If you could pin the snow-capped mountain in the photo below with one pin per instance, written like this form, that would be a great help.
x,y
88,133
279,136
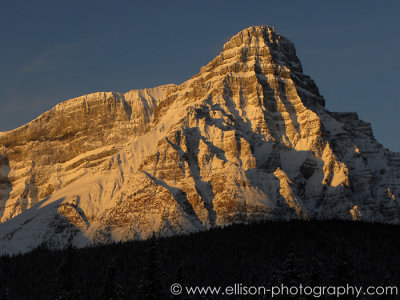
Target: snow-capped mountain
x,y
247,138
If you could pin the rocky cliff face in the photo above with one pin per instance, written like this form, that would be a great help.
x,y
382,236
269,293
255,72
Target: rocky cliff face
x,y
247,138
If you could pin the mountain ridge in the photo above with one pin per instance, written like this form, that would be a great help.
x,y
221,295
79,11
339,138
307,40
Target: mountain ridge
x,y
247,138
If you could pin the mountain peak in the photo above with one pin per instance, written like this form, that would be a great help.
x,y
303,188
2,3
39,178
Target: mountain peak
x,y
265,38
248,35
257,52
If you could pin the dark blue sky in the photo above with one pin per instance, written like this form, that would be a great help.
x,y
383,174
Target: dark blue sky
x,y
51,51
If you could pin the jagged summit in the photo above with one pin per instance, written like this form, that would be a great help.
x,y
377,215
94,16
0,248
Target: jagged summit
x,y
255,43
258,51
260,37
247,138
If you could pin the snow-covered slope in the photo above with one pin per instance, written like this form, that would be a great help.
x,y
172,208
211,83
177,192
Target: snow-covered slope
x,y
245,139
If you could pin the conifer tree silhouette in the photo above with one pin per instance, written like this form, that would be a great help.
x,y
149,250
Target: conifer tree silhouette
x,y
111,289
66,288
150,286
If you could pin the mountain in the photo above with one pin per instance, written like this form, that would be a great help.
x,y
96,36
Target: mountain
x,y
248,138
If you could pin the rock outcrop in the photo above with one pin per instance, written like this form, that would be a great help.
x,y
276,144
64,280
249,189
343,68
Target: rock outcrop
x,y
247,138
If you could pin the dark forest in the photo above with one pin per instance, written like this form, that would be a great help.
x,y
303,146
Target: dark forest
x,y
268,253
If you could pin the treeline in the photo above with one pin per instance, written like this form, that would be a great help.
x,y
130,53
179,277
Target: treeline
x,y
269,253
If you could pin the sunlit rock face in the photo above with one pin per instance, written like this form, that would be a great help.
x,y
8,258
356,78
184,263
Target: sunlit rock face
x,y
248,138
